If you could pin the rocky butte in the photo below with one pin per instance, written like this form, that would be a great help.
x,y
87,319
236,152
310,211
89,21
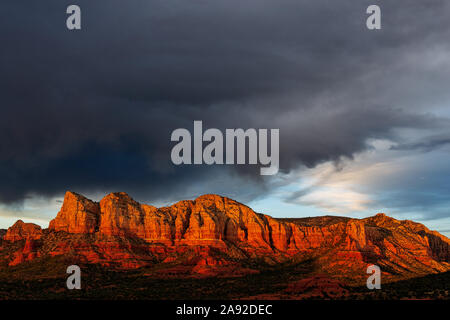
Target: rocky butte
x,y
216,235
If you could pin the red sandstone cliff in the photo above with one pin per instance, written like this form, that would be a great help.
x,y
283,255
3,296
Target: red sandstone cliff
x,y
215,231
21,230
78,215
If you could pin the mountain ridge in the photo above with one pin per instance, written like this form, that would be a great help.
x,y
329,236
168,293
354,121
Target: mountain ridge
x,y
217,235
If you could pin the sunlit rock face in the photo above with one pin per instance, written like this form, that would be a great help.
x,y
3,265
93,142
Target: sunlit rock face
x,y
214,231
78,215
21,230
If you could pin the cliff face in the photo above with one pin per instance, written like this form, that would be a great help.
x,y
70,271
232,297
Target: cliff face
x,y
78,215
216,231
209,220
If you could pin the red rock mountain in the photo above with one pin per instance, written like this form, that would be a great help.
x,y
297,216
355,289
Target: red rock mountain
x,y
21,230
213,233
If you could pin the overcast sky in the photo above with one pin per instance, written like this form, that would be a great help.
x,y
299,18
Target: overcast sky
x,y
364,116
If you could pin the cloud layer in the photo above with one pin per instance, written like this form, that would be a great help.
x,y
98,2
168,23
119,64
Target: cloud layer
x,y
92,111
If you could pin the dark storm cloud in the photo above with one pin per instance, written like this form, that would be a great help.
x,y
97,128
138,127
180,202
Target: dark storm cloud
x,y
428,144
93,110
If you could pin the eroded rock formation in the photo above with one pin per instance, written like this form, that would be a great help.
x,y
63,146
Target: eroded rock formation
x,y
217,231
21,230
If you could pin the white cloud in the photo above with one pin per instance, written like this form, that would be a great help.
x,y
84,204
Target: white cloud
x,y
379,179
37,210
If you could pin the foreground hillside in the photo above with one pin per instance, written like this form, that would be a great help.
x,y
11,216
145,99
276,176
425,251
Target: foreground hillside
x,y
34,281
215,238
